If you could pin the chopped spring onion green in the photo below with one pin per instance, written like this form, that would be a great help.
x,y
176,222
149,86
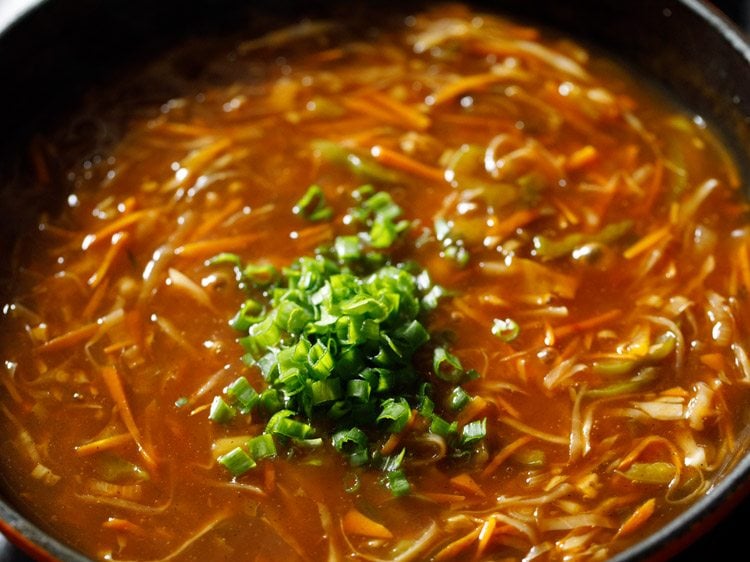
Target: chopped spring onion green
x,y
237,461
397,483
312,205
262,447
505,329
474,431
220,411
334,337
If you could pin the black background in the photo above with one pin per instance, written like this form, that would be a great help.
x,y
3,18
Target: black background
x,y
729,539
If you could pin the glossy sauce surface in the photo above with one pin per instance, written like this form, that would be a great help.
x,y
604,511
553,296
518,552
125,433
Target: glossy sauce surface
x,y
546,188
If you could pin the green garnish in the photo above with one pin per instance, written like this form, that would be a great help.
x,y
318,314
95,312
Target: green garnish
x,y
237,461
335,336
312,205
505,329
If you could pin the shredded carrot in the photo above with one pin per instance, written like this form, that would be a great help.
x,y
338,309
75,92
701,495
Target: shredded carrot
x,y
510,224
522,427
644,444
565,210
582,158
196,161
390,444
208,248
215,220
119,224
713,360
466,483
355,523
459,545
638,518
475,408
648,241
129,204
314,235
269,477
654,188
69,339
113,383
477,122
407,114
485,534
505,454
587,324
119,242
103,444
467,84
393,159
96,299
743,259
328,55
439,497
368,108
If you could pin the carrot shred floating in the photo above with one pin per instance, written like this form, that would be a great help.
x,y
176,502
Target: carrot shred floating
x,y
587,324
472,411
390,444
394,159
119,242
458,546
637,519
112,380
69,339
103,444
466,483
480,122
208,248
566,211
355,523
648,241
366,107
407,114
471,83
510,224
582,158
485,534
505,454
439,497
96,299
215,220
121,223
654,189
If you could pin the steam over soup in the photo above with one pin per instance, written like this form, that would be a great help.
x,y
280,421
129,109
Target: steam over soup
x,y
450,289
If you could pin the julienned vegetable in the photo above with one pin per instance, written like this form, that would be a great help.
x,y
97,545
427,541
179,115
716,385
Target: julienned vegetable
x,y
335,336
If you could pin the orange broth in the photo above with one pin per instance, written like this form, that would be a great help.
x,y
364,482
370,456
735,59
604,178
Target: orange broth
x,y
603,222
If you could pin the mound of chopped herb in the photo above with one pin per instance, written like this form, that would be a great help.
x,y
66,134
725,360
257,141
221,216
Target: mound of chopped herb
x,y
335,337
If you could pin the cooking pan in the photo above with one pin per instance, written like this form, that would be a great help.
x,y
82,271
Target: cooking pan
x,y
53,52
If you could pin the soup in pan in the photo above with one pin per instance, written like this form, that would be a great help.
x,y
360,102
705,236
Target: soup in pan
x,y
445,288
